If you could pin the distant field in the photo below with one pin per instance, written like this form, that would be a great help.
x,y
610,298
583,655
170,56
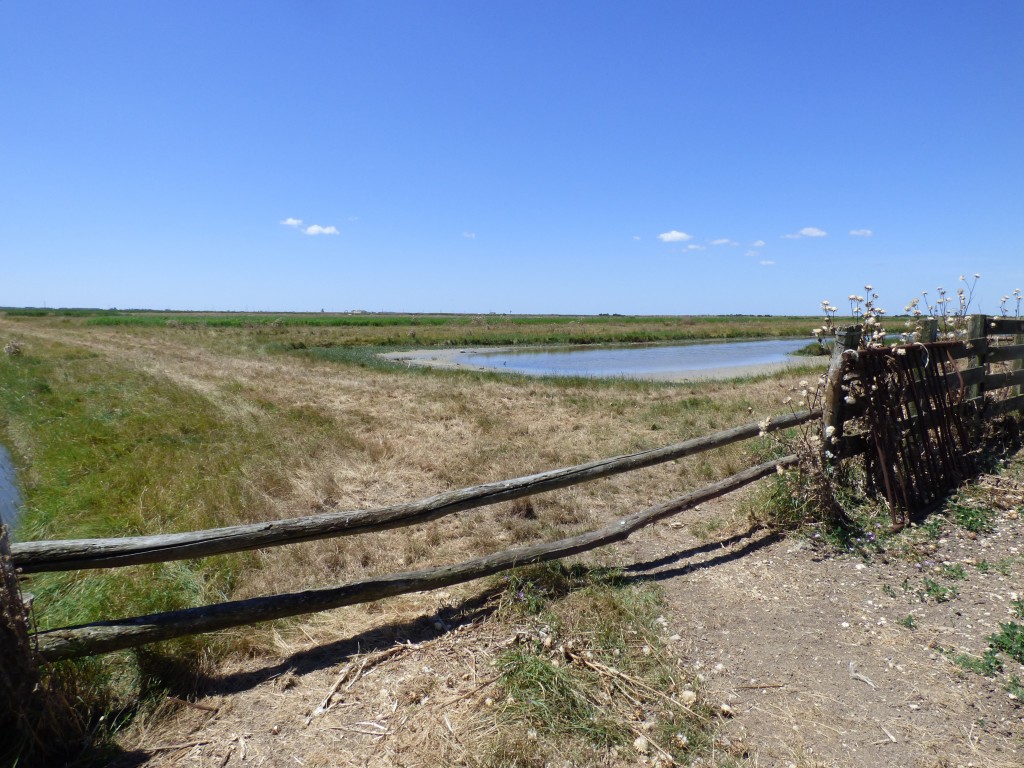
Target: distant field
x,y
386,329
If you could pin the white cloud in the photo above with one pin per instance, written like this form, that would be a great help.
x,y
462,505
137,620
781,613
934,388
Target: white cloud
x,y
290,222
469,235
861,232
759,244
675,236
767,263
316,229
724,241
636,237
806,232
751,253
694,247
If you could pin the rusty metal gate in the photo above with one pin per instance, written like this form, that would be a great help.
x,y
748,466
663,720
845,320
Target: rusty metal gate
x,y
919,446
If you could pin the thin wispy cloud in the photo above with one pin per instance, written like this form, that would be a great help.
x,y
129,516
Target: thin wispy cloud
x,y
316,229
766,263
469,235
674,236
751,253
694,247
636,237
724,241
759,244
806,232
861,232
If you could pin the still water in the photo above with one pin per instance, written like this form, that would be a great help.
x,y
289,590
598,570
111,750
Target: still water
x,y
637,361
10,499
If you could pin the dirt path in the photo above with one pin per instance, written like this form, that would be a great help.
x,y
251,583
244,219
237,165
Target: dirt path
x,y
810,654
807,651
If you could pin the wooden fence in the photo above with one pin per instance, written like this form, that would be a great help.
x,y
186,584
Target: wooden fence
x,y
107,636
978,380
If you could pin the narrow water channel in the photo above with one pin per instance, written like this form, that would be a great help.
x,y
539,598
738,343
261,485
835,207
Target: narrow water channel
x,y
10,499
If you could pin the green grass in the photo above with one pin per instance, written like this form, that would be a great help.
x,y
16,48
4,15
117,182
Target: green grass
x,y
107,451
391,330
593,656
988,664
976,519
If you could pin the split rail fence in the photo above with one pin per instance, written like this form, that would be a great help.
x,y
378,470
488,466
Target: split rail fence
x,y
974,381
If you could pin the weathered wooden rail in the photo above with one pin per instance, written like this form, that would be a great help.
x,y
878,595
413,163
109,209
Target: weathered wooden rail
x,y
106,636
75,554
103,637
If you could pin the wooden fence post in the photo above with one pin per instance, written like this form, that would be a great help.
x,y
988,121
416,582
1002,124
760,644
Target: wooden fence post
x,y
1018,364
977,346
929,330
832,407
19,674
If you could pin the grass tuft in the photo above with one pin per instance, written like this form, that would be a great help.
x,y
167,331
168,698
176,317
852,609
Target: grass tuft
x,y
590,674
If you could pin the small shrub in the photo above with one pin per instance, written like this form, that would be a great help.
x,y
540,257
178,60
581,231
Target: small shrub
x,y
940,593
908,621
955,572
1018,608
12,348
1014,688
1009,640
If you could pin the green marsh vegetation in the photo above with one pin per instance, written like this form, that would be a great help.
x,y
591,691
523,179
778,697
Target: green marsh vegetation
x,y
388,329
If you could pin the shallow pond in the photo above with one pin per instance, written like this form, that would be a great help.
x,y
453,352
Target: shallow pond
x,y
10,499
637,361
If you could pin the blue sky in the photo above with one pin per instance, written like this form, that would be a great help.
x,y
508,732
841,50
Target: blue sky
x,y
570,157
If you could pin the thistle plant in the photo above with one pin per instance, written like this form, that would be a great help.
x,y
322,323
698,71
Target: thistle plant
x,y
1004,311
866,314
952,323
869,316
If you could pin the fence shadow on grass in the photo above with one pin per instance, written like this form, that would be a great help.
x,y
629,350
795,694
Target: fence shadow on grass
x,y
378,638
423,628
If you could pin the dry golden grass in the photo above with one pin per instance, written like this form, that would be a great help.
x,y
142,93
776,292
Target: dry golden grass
x,y
351,437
